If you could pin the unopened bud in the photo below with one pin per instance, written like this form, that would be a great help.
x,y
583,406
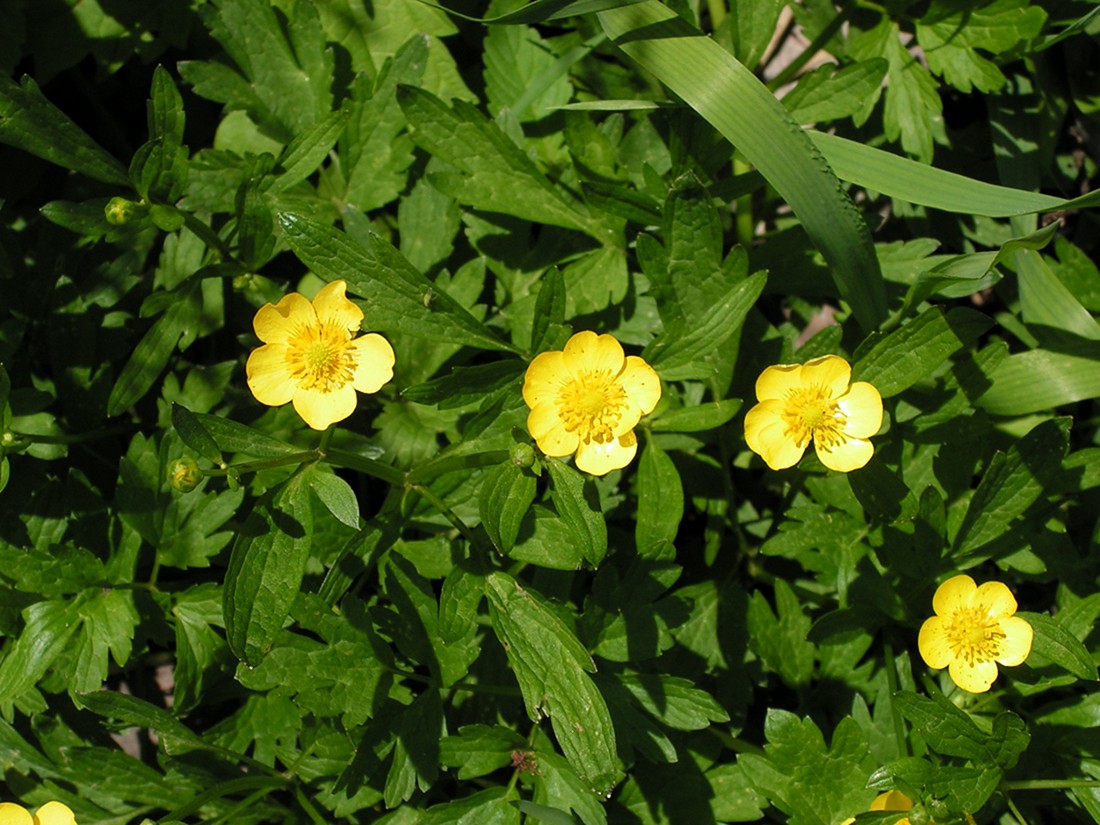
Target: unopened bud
x,y
184,474
522,455
120,211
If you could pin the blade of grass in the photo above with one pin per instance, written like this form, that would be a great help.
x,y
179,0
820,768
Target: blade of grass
x,y
739,106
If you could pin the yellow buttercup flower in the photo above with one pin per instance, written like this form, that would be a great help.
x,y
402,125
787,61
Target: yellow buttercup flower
x,y
815,401
310,356
52,813
889,801
973,631
587,399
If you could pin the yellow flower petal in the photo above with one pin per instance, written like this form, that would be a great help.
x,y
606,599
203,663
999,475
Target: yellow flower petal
x,y
933,644
995,599
829,371
862,407
12,814
274,324
1017,642
548,430
333,307
847,456
976,677
589,351
642,386
954,594
766,435
776,382
320,410
543,379
54,813
374,362
600,459
892,801
268,375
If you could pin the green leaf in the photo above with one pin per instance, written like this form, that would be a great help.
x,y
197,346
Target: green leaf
x,y
812,784
397,297
289,70
522,74
557,785
478,750
685,354
1012,483
550,666
781,641
176,737
334,672
752,27
578,505
494,174
266,568
660,504
506,496
199,647
1042,379
303,155
375,152
337,496
949,37
1056,644
948,730
897,361
914,111
48,631
158,169
709,415
549,321
674,701
487,807
153,352
731,98
194,434
920,183
827,93
1045,301
28,121
234,437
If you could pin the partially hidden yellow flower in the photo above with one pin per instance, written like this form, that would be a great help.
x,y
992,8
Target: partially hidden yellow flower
x,y
52,813
973,631
815,401
310,356
889,801
587,399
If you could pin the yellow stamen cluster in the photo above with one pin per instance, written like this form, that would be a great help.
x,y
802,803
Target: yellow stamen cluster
x,y
319,357
974,635
591,405
812,414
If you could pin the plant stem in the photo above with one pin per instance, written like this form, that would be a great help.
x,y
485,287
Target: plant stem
x,y
795,66
1048,784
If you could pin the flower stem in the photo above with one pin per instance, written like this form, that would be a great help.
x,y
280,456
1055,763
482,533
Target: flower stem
x,y
1048,784
79,438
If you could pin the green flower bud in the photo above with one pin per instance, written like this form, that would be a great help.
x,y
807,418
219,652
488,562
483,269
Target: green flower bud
x,y
120,211
522,455
184,474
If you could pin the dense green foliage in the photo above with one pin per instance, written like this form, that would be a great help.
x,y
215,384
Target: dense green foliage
x,y
211,613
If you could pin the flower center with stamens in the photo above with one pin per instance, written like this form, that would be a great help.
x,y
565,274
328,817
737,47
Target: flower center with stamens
x,y
591,405
320,358
811,413
974,636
